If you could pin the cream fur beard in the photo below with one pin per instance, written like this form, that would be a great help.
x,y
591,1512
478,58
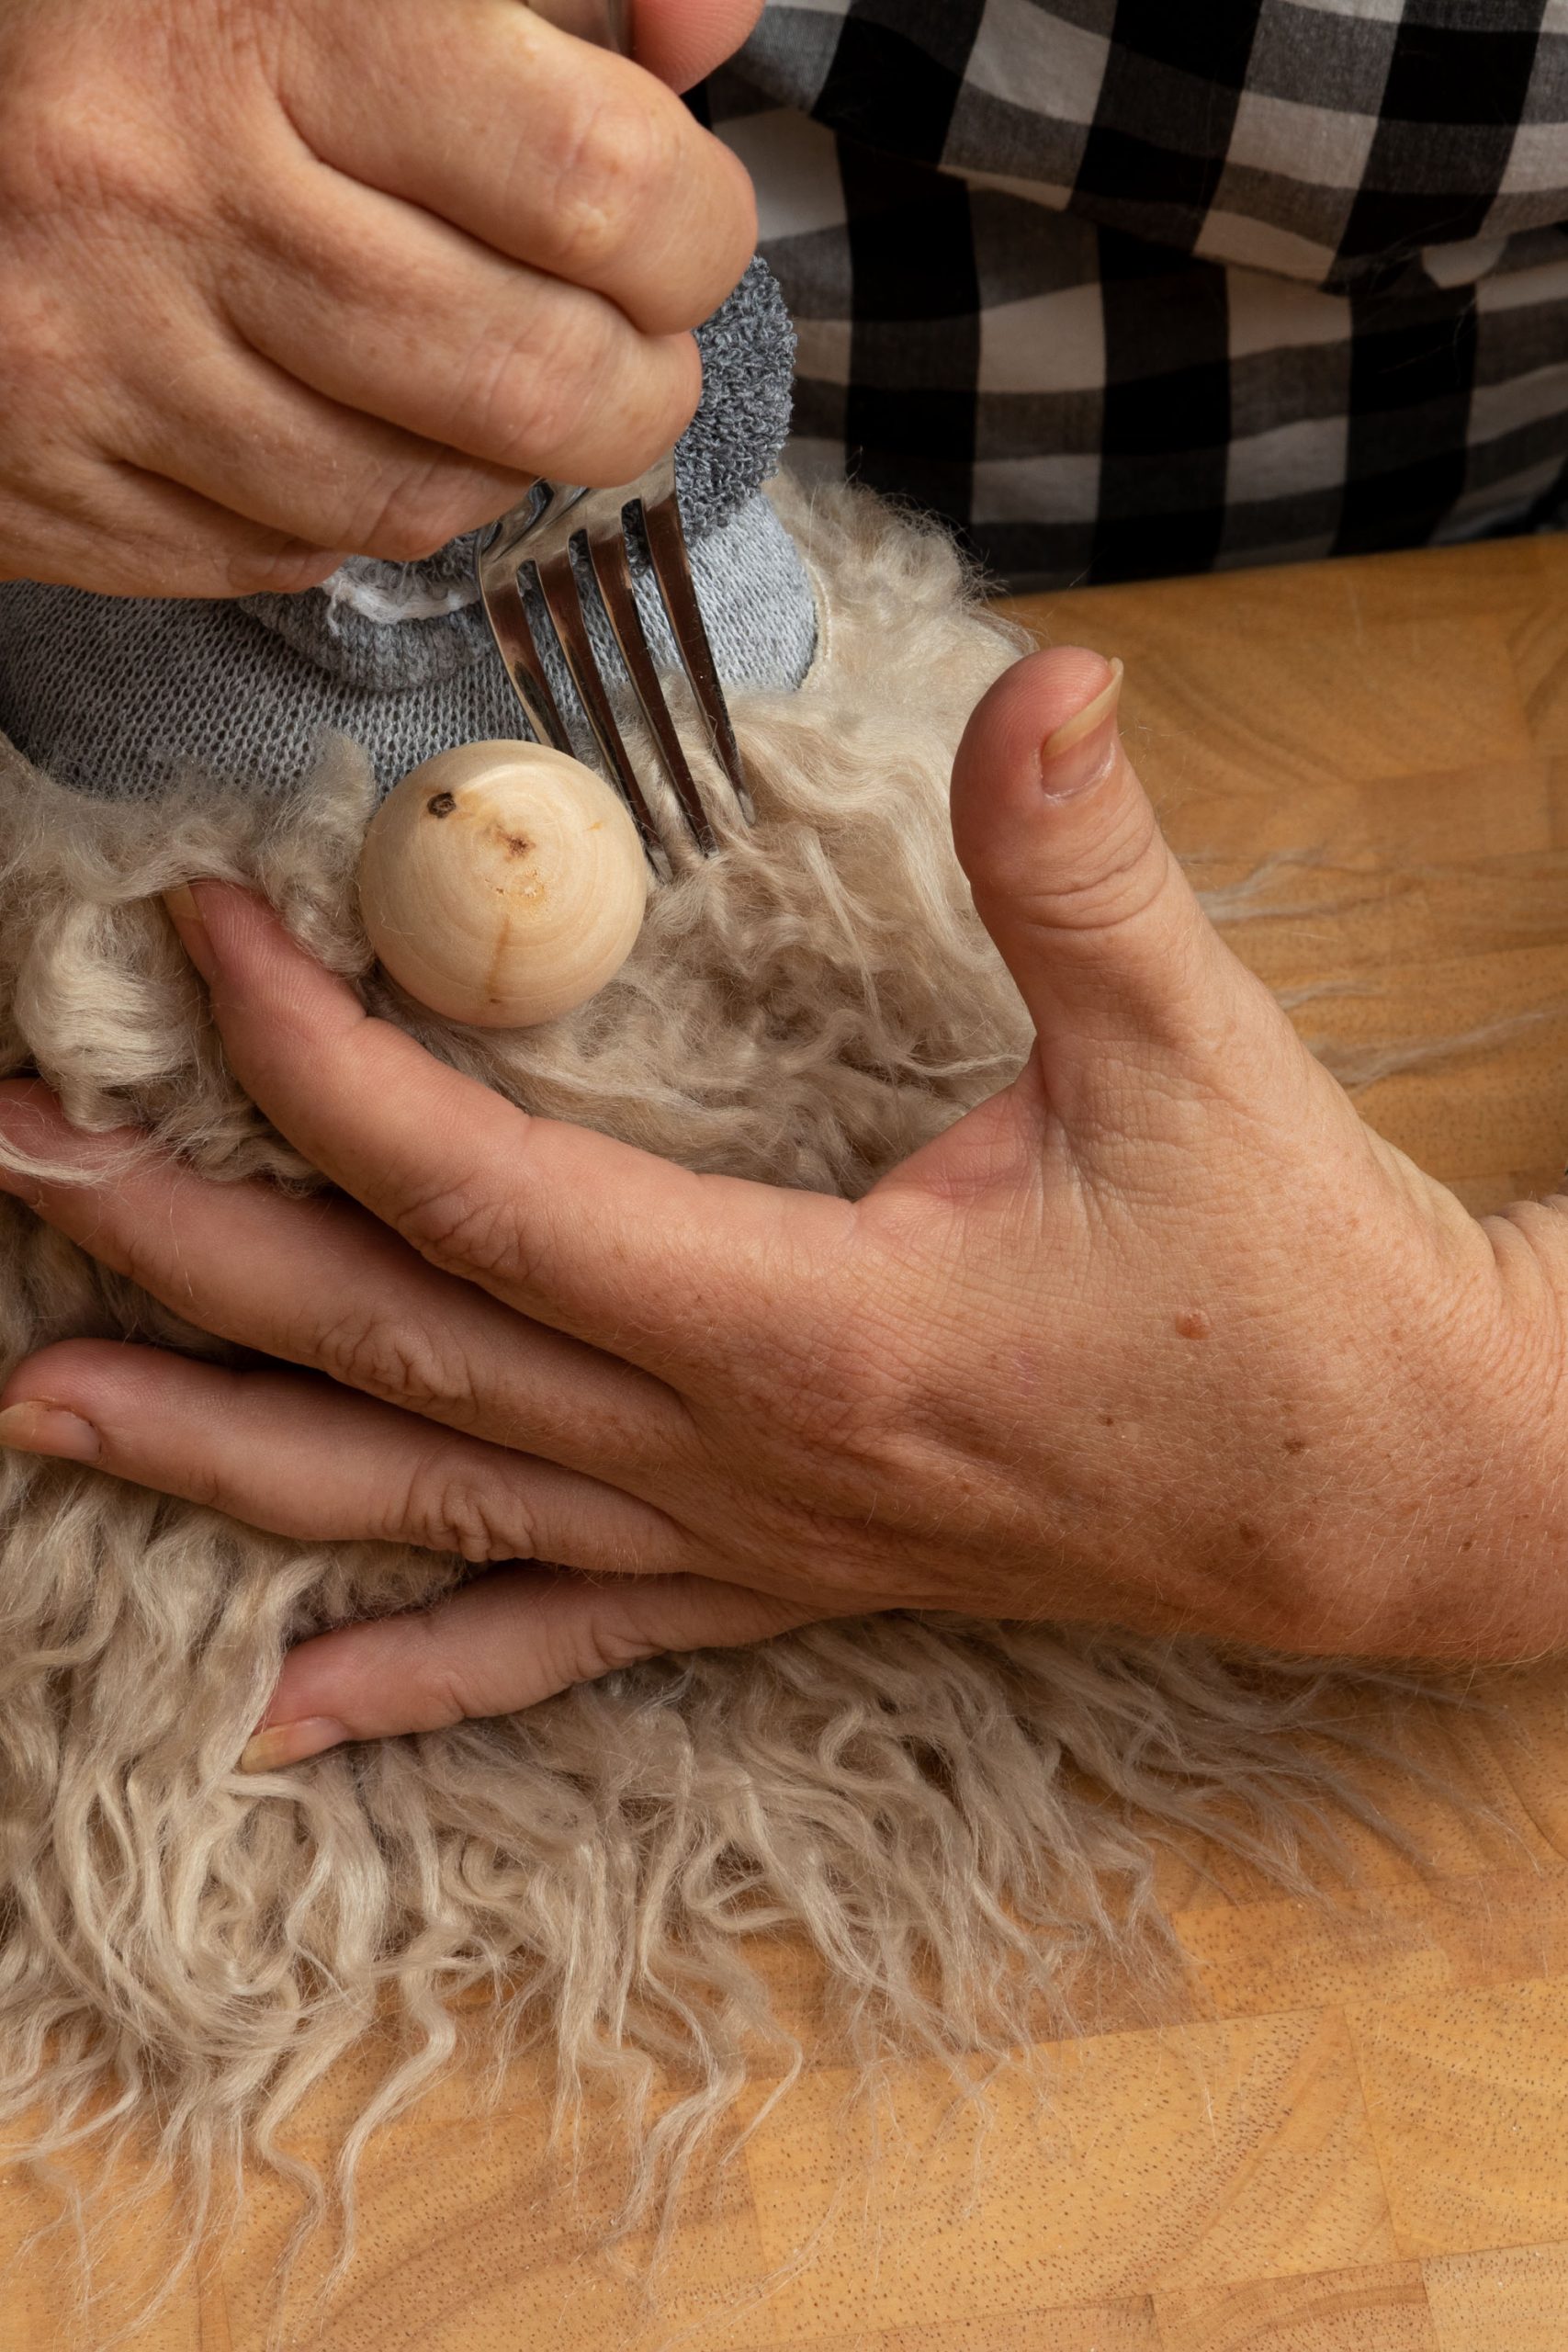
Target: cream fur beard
x,y
954,1815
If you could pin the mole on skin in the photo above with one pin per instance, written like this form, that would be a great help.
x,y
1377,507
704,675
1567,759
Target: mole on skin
x,y
1193,1324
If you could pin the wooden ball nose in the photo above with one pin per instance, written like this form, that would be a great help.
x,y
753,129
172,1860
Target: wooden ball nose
x,y
502,884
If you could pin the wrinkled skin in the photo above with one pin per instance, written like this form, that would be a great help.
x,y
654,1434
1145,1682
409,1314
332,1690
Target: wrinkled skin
x,y
1162,1335
287,280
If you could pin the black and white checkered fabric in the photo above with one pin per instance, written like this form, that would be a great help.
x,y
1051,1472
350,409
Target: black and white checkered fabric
x,y
1133,287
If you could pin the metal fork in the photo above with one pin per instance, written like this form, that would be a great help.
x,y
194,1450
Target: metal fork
x,y
544,532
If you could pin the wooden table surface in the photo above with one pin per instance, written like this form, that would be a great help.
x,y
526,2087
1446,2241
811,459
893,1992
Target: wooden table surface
x,y
1350,2133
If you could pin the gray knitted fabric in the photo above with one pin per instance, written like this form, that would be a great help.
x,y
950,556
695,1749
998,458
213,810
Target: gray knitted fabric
x,y
119,695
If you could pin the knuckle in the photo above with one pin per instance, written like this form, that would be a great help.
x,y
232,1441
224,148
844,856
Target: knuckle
x,y
473,1234
70,155
608,1640
533,397
52,158
613,161
579,390
1117,883
654,407
398,1362
455,1509
406,519
636,414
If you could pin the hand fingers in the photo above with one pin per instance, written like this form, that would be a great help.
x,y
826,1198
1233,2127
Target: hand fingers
x,y
546,149
286,1452
318,1283
124,532
1074,879
242,432
677,1273
502,1643
394,314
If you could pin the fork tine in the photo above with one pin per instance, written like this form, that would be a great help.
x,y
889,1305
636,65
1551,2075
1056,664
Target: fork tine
x,y
515,636
607,553
559,585
673,569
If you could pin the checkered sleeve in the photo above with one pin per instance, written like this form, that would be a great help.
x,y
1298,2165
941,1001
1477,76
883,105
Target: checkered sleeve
x,y
1127,286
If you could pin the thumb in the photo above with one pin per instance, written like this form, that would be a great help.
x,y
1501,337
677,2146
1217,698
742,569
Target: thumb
x,y
682,40
500,1643
1071,874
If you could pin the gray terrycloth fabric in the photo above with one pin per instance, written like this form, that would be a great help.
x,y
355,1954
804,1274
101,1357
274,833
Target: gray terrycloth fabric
x,y
117,696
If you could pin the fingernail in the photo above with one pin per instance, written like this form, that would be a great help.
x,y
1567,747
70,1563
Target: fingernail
x,y
35,1426
185,916
281,1744
1081,750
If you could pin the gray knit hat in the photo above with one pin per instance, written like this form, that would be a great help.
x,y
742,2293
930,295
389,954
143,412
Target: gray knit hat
x,y
119,695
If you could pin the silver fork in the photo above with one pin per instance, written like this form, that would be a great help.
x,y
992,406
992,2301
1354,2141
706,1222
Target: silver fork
x,y
544,531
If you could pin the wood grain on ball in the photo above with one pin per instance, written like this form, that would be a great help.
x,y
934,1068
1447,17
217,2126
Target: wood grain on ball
x,y
502,884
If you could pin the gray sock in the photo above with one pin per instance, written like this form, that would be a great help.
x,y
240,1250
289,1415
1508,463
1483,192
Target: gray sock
x,y
117,695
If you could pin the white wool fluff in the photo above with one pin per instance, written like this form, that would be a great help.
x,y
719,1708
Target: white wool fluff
x,y
954,1815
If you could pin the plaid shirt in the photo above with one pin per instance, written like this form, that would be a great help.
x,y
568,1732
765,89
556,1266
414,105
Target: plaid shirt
x,y
1134,287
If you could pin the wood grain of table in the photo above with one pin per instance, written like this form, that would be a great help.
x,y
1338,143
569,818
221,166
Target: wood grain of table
x,y
1351,2132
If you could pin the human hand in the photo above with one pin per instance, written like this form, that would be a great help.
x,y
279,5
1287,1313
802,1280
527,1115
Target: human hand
x,y
1160,1336
287,280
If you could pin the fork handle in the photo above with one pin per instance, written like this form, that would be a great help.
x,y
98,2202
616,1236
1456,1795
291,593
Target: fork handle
x,y
606,23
